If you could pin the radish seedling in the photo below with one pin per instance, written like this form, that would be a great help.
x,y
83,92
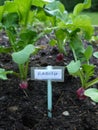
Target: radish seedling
x,y
22,60
85,72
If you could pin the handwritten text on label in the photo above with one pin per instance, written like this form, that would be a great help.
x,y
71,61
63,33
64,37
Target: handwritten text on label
x,y
48,74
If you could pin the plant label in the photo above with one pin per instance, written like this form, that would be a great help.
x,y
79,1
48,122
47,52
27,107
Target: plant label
x,y
43,73
49,74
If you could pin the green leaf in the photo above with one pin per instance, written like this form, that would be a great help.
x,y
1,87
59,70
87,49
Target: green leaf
x,y
56,5
5,49
60,34
22,56
39,3
49,1
95,54
12,38
88,52
57,10
41,16
91,82
77,47
10,7
60,37
92,93
73,67
53,42
81,6
31,17
3,73
88,71
27,36
77,44
24,10
83,22
87,4
10,19
1,12
94,39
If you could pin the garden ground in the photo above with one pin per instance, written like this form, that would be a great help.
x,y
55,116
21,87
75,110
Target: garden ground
x,y
21,112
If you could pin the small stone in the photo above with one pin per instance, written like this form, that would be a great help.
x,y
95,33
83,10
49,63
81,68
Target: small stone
x,y
35,107
13,108
2,98
93,103
5,37
50,57
96,113
1,129
65,113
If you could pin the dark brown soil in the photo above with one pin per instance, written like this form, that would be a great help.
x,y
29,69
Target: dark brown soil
x,y
21,112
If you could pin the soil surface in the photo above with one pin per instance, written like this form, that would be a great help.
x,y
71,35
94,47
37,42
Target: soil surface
x,y
19,111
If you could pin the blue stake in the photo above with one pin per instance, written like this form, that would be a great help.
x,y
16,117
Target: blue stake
x,y
49,95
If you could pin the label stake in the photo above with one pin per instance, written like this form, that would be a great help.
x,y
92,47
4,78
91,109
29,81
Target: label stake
x,y
49,97
49,94
48,74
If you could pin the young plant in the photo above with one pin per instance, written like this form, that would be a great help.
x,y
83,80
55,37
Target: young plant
x,y
83,70
69,29
22,60
85,73
18,20
92,92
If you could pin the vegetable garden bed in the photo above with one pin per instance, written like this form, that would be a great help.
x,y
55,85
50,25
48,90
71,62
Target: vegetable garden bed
x,y
41,33
19,112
